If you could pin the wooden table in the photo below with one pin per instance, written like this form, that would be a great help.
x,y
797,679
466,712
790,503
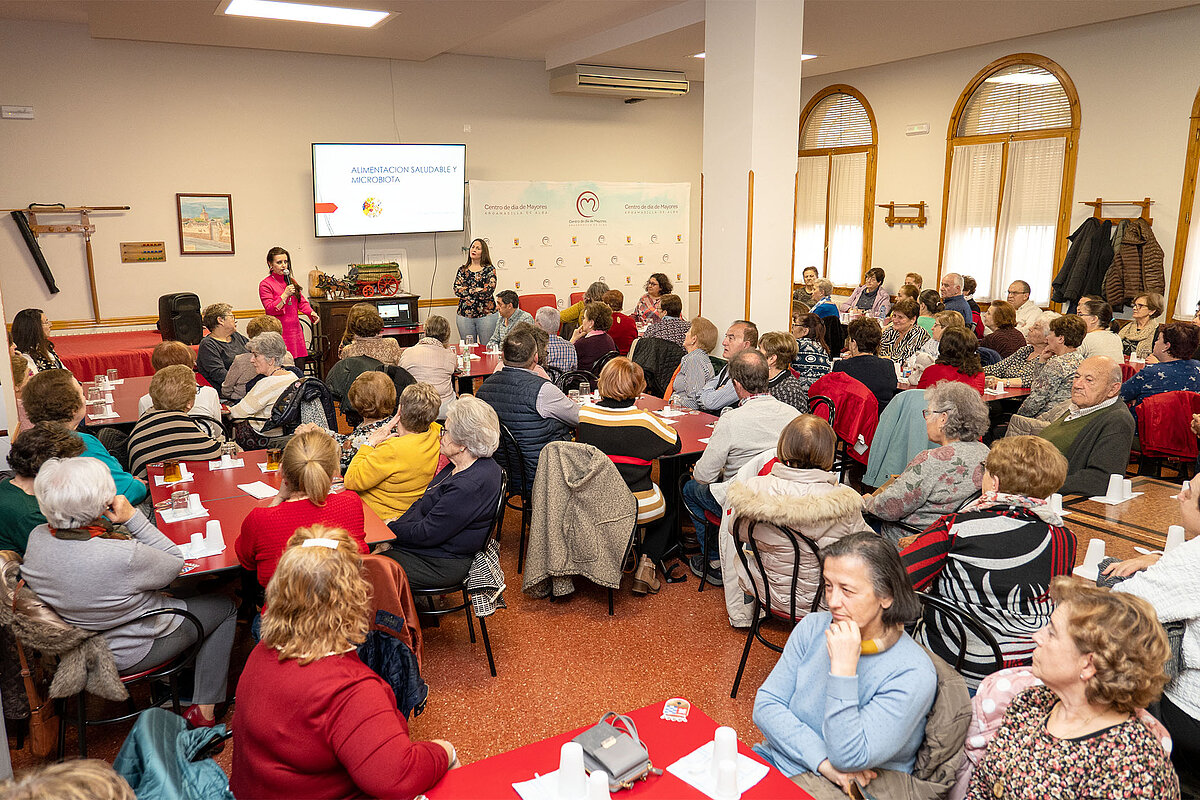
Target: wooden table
x,y
219,493
1142,521
666,742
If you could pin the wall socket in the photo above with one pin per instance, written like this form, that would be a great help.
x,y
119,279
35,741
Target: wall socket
x,y
16,112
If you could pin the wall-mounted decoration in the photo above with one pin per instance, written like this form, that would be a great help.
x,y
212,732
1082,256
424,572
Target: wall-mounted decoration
x,y
893,219
205,224
133,252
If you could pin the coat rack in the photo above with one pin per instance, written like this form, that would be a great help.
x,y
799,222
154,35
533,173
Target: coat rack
x,y
85,226
906,219
1099,203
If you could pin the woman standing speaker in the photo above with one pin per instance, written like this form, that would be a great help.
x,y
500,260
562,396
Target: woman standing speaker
x,y
282,297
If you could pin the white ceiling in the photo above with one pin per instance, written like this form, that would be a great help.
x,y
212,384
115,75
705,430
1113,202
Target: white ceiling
x,y
662,34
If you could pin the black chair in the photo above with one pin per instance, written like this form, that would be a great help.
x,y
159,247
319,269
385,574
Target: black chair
x,y
168,671
658,359
465,605
518,483
841,459
835,334
875,521
571,380
804,551
959,621
599,363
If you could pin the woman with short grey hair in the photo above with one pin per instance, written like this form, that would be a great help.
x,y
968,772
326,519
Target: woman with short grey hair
x,y
431,361
593,294
937,481
439,535
266,356
101,564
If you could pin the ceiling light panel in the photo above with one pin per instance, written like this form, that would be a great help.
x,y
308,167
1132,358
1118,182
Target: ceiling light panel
x,y
303,12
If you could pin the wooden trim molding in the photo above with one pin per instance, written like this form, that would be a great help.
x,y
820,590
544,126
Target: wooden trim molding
x,y
1187,198
749,235
700,266
1071,134
693,287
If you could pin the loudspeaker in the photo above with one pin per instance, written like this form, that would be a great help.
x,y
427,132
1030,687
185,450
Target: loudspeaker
x,y
179,318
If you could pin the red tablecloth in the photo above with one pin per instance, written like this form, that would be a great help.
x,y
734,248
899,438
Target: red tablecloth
x,y
666,741
90,354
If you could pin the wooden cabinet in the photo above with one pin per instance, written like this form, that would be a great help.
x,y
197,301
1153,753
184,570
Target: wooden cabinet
x,y
333,315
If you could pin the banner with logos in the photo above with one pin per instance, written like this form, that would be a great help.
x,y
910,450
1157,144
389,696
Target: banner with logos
x,y
558,237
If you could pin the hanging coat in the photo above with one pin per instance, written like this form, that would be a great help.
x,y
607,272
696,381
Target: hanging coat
x,y
1083,269
1137,267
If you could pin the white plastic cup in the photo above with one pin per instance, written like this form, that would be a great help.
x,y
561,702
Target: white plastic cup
x,y
1116,487
597,785
1126,489
1186,485
197,540
1056,503
1174,538
572,780
1095,554
727,788
213,535
193,502
724,748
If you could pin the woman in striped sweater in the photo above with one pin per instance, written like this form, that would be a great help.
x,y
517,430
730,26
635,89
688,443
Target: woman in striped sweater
x,y
166,430
633,438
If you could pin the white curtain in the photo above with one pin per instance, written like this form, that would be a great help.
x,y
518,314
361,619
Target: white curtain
x,y
971,210
811,188
847,198
1189,284
1028,220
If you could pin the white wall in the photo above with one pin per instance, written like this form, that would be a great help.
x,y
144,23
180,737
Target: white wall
x,y
131,123
1136,78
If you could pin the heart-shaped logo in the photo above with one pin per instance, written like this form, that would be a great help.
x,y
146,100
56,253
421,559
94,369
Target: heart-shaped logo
x,y
587,204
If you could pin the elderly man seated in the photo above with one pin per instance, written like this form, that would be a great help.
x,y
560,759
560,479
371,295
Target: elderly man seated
x,y
560,354
1096,432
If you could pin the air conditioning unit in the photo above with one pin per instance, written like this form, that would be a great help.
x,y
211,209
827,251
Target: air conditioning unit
x,y
588,79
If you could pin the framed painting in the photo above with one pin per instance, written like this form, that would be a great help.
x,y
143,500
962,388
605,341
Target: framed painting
x,y
205,224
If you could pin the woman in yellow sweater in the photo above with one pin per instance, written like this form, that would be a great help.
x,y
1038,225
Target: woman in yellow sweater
x,y
391,470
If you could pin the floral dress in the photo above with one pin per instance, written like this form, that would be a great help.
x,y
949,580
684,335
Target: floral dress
x,y
350,442
472,303
935,482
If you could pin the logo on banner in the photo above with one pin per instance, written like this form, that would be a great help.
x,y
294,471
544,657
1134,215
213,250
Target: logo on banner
x,y
560,262
372,207
628,280
500,264
641,260
546,283
614,260
601,239
654,238
587,204
679,237
516,242
587,260
628,240
574,241
666,258
531,263
574,281
518,284
678,276
545,241
487,241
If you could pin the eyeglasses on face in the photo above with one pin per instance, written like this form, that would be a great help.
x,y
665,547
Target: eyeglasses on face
x,y
929,411
1140,305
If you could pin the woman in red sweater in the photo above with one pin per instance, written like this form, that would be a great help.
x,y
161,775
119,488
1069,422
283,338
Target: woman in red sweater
x,y
312,720
958,360
310,462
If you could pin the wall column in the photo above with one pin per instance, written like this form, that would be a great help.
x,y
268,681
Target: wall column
x,y
751,125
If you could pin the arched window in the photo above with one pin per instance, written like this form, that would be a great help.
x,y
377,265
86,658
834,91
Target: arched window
x,y
835,186
1184,293
1010,167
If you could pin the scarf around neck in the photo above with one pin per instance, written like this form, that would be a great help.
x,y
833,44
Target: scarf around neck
x,y
99,528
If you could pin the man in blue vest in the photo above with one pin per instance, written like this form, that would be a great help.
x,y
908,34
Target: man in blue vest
x,y
531,407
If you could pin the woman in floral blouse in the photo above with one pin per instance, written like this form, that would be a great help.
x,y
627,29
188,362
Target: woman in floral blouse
x,y
1101,658
475,286
649,308
937,481
1020,368
1175,370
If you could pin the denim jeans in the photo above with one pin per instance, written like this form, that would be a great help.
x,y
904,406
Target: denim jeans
x,y
481,327
698,498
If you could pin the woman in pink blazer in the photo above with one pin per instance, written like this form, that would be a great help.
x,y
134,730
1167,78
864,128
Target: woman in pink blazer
x,y
281,297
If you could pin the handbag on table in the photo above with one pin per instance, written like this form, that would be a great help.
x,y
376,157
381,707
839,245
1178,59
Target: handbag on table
x,y
620,753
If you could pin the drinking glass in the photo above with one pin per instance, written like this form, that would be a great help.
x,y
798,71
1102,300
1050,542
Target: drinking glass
x,y
112,375
94,396
585,389
100,381
171,471
574,395
179,500
470,341
274,457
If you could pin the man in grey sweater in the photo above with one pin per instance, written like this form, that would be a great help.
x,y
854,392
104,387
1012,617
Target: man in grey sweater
x,y
740,434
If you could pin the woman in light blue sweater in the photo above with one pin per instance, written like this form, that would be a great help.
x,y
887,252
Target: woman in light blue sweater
x,y
851,692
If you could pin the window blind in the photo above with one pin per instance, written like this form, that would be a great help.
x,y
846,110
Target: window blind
x,y
1020,97
838,120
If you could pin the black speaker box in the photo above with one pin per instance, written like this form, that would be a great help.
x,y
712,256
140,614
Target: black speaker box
x,y
179,318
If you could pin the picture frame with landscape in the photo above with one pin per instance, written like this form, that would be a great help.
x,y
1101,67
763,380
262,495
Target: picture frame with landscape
x,y
205,224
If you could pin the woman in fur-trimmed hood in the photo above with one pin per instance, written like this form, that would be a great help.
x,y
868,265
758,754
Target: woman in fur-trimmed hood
x,y
790,487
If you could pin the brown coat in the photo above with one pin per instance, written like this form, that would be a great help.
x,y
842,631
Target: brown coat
x,y
1137,266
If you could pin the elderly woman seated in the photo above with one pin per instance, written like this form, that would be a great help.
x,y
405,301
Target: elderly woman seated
x,y
363,337
438,537
1001,319
53,395
851,691
312,719
101,564
1137,338
170,353
1174,369
267,352
431,361
813,358
221,345
168,430
903,337
1020,368
633,439
937,481
19,512
1050,388
591,338
958,360
394,465
241,371
373,397
797,491
696,368
995,558
1171,583
1100,659
780,350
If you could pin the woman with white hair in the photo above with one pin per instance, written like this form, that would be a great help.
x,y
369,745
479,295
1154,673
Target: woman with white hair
x,y
439,535
101,564
1020,368
267,351
431,360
